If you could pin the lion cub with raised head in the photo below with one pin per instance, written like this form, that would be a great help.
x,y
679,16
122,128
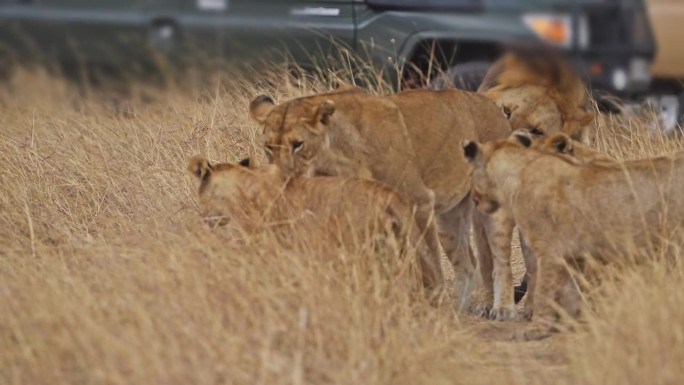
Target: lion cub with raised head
x,y
567,209
350,210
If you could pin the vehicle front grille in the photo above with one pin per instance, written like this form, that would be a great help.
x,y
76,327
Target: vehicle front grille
x,y
611,26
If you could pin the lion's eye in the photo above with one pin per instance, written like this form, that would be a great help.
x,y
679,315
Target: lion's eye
x,y
296,145
507,112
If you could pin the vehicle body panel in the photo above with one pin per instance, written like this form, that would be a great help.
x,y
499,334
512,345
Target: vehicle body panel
x,y
667,19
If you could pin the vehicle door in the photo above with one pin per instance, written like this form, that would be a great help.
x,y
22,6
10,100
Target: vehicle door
x,y
307,32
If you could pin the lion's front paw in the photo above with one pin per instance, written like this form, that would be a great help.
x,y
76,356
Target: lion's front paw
x,y
480,309
481,303
503,314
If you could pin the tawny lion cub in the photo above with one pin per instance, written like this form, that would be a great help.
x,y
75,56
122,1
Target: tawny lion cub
x,y
350,210
561,145
567,209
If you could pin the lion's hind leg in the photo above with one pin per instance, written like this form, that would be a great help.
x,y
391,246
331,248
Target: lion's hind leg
x,y
483,295
454,227
549,292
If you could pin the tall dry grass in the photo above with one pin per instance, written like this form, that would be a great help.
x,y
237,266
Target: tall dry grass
x,y
107,274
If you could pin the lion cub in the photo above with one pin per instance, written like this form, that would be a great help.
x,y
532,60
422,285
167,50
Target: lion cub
x,y
568,209
349,210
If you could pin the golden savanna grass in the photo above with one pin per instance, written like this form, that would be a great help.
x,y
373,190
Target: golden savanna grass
x,y
108,275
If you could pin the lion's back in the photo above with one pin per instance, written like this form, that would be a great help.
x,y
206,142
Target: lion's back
x,y
437,122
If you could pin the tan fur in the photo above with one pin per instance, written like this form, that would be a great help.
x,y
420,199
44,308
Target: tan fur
x,y
539,89
406,141
249,198
501,217
568,210
576,151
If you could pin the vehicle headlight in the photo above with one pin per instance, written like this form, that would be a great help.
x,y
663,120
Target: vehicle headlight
x,y
555,29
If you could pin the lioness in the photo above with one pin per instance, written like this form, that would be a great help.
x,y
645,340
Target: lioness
x,y
405,141
568,210
350,210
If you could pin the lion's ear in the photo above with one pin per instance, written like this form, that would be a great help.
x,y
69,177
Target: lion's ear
x,y
325,111
523,138
561,144
199,167
471,151
260,107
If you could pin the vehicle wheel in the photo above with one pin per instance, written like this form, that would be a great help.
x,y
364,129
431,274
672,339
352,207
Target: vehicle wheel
x,y
466,76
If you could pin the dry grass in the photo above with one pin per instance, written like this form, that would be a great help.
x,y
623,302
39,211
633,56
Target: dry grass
x,y
107,275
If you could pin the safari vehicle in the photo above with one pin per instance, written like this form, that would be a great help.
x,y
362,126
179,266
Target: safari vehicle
x,y
667,88
413,42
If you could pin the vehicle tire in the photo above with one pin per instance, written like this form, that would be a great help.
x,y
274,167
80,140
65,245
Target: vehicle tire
x,y
466,76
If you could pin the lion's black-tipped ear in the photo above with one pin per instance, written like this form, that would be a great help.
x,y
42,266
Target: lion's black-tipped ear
x,y
260,107
562,144
524,140
471,150
245,162
199,167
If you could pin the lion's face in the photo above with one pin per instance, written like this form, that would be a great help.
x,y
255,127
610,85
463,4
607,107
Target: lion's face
x,y
295,132
540,90
528,107
231,193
